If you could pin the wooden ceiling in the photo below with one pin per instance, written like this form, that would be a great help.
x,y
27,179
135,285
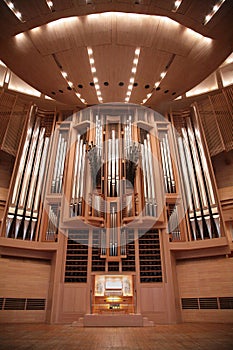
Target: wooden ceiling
x,y
47,43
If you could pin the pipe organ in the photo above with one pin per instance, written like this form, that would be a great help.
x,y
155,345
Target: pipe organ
x,y
115,185
116,168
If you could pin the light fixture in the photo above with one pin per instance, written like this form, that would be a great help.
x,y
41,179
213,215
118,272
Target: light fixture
x,y
50,5
133,70
17,13
163,74
177,4
93,71
215,8
64,74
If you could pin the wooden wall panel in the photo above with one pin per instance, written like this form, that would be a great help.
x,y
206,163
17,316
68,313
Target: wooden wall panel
x,y
24,278
206,278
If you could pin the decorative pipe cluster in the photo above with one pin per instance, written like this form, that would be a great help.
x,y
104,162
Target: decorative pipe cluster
x,y
24,206
201,203
169,181
76,205
53,223
113,232
148,178
59,165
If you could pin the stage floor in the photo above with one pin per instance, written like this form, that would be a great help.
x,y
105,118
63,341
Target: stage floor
x,y
189,336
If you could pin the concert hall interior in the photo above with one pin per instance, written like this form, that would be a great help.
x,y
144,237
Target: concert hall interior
x,y
116,163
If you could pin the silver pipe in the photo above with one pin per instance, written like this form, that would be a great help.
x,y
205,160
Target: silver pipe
x,y
29,165
55,169
164,166
62,167
41,176
35,170
197,164
167,167
170,164
113,156
117,168
75,168
9,220
21,166
61,151
109,167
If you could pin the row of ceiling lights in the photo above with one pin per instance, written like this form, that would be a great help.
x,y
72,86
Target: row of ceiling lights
x,y
176,6
133,73
71,86
156,87
93,71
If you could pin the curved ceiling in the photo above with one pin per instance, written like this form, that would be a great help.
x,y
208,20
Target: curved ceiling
x,y
114,50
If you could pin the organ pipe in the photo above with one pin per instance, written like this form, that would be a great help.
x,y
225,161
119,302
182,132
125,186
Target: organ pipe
x,y
23,210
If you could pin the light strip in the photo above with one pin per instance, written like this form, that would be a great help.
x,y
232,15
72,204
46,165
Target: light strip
x,y
93,71
133,73
214,10
11,6
156,85
176,5
71,85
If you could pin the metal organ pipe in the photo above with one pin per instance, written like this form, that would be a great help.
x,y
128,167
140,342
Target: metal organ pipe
x,y
24,206
148,177
201,214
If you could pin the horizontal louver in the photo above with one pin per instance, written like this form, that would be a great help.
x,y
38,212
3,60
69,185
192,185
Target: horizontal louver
x,y
35,304
226,302
14,304
189,303
22,304
208,303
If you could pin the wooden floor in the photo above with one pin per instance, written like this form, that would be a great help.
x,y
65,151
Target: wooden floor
x,y
164,337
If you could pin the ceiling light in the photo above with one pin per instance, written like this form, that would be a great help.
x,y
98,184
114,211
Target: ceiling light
x,y
163,74
90,51
135,61
97,86
70,83
134,69
95,80
157,84
214,10
11,6
127,99
137,51
98,93
64,74
7,77
128,93
177,4
144,101
77,94
93,69
82,100
149,95
130,87
50,4
131,80
92,61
